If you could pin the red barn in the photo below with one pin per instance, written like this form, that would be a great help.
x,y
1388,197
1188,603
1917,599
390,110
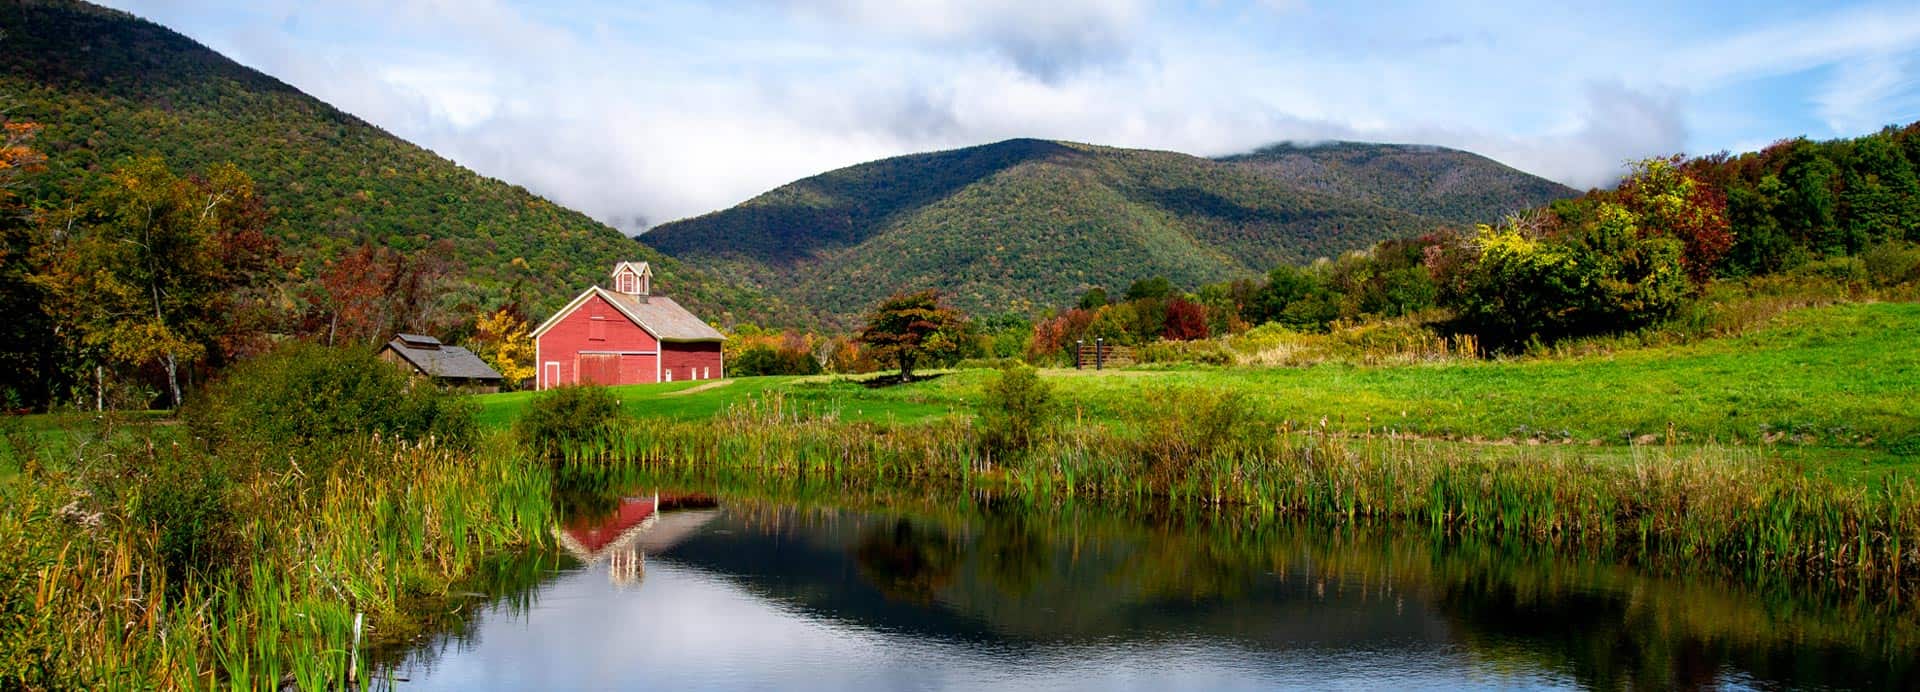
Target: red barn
x,y
625,336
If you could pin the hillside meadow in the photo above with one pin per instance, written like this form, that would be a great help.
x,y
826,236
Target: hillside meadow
x,y
1832,387
1790,453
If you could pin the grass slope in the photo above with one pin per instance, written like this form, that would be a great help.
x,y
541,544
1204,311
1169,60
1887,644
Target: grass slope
x,y
1445,184
108,86
1833,386
1009,225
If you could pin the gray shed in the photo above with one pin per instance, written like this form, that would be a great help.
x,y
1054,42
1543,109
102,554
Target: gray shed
x,y
449,365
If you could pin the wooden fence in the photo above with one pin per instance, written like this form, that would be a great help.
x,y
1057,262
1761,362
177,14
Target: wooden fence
x,y
1099,356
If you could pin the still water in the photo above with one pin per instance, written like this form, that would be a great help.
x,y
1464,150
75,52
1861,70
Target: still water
x,y
698,590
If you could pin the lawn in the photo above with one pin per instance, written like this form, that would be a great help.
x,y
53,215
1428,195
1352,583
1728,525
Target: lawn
x,y
847,398
1839,383
1835,387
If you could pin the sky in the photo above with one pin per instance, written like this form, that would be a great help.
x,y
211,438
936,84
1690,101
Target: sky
x,y
639,113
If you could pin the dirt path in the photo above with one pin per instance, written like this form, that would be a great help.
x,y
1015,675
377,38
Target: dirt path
x,y
716,384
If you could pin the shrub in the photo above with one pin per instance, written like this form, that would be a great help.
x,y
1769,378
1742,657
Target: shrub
x,y
1892,264
1192,427
1210,352
1018,408
568,417
987,363
1847,271
303,395
183,495
1601,275
762,359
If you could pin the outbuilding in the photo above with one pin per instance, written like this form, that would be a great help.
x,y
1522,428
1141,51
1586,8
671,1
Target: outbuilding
x,y
425,356
625,335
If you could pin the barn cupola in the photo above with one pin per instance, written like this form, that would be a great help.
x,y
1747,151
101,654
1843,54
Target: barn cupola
x,y
633,278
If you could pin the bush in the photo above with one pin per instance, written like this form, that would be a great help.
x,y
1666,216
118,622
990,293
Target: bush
x,y
1846,271
1198,352
1600,276
761,359
1017,409
567,417
987,363
1191,427
1892,264
184,496
305,395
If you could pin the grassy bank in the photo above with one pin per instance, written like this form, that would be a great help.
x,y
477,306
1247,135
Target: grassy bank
x,y
1839,378
236,548
1732,507
92,597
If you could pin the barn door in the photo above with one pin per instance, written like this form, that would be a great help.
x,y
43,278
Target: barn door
x,y
599,368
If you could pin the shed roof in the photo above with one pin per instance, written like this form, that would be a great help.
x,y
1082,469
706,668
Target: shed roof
x,y
419,340
436,360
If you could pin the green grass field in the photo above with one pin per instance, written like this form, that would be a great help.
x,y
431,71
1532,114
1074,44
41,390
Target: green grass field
x,y
1834,387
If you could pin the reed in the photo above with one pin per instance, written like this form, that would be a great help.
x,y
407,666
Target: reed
x,y
385,530
1732,507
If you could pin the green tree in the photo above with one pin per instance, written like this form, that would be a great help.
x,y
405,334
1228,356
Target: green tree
x,y
1094,299
1881,198
1761,246
1295,297
30,349
1808,206
909,328
1601,275
156,267
1157,287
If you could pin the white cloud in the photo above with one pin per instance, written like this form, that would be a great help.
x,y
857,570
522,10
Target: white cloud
x,y
1049,40
669,109
1868,93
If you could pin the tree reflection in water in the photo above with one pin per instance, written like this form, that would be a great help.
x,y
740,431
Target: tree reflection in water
x,y
980,575
907,561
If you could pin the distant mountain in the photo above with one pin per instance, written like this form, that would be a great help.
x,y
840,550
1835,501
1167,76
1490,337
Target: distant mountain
x,y
107,85
1436,182
1024,224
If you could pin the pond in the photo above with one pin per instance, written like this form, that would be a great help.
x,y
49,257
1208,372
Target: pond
x,y
700,589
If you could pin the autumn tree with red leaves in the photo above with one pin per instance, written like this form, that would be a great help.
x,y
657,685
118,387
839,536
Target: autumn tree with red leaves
x,y
1669,199
909,328
1186,321
373,292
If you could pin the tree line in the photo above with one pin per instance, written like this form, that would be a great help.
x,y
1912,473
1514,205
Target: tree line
x,y
1607,261
128,288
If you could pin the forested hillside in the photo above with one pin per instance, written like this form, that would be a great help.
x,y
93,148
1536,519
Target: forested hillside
x,y
105,86
1447,184
1025,223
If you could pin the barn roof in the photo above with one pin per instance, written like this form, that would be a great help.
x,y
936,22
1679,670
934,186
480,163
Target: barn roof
x,y
659,315
434,359
663,317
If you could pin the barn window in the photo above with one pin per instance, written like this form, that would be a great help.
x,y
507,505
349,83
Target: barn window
x,y
625,283
597,328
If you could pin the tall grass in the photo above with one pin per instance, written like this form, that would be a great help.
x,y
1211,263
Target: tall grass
x,y
1727,507
385,531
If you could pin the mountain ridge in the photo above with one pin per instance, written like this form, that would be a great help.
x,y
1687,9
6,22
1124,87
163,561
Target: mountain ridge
x,y
107,86
1022,224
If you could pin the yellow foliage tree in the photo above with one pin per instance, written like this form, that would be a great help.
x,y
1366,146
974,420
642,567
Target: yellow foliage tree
x,y
501,339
